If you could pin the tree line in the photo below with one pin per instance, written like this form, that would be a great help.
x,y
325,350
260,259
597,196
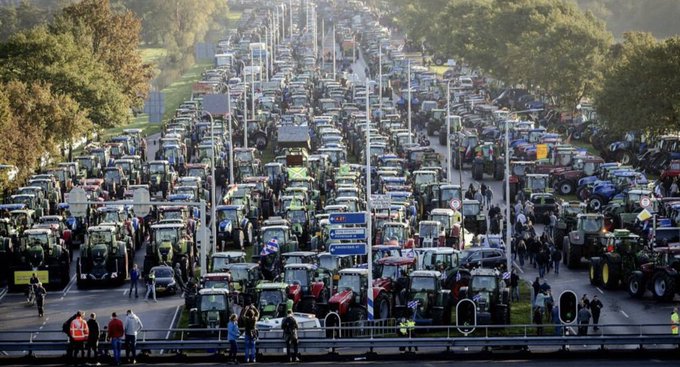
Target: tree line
x,y
554,48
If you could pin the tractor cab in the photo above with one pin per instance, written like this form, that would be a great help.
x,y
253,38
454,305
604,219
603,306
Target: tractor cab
x,y
537,183
213,309
220,260
474,220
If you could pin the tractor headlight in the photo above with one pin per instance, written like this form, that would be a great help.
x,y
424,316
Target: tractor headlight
x,y
83,276
114,275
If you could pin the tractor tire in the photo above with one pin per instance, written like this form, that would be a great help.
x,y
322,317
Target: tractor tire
x,y
442,138
437,316
430,129
499,171
577,135
382,309
477,170
249,234
439,61
565,251
565,187
610,273
260,141
573,256
501,315
636,285
596,203
663,286
595,272
239,239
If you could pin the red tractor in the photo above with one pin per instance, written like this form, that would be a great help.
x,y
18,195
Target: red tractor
x,y
391,274
306,288
352,297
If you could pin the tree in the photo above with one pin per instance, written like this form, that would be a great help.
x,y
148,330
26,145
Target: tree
x,y
113,39
39,56
641,91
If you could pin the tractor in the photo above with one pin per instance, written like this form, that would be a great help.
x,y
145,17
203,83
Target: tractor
x,y
304,288
463,147
586,240
103,258
436,119
160,177
625,253
42,253
433,303
351,299
489,292
659,274
244,279
272,300
115,181
212,309
452,221
488,160
233,227
170,244
474,219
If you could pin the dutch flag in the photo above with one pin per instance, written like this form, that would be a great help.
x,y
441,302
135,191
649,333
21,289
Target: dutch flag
x,y
458,276
413,304
506,275
477,298
270,248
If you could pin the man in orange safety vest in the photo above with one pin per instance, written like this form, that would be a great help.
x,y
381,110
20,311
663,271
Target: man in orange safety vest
x,y
79,333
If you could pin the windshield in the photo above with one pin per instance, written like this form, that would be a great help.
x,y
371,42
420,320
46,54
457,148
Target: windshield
x,y
482,283
424,178
100,237
163,273
428,230
271,297
110,217
350,281
196,172
592,224
327,262
36,239
156,169
450,194
423,283
470,209
166,235
227,214
243,156
296,275
393,232
215,283
173,214
213,302
239,274
443,219
538,183
390,271
270,234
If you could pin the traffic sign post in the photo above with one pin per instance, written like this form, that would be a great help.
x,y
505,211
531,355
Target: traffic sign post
x,y
347,218
645,202
347,233
338,249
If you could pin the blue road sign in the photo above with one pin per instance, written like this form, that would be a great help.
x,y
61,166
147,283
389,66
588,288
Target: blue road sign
x,y
348,233
347,218
347,249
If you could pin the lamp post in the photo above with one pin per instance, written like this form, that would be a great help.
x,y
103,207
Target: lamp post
x,y
410,138
380,78
334,51
508,228
448,132
290,6
368,204
231,139
213,191
245,108
252,85
266,54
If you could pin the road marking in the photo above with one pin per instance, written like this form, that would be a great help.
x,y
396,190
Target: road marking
x,y
599,290
125,292
624,314
68,286
3,293
172,324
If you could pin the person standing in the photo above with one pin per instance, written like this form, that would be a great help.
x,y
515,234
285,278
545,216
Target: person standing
x,y
116,332
538,320
595,309
232,335
583,319
536,285
79,335
675,321
249,320
480,198
150,287
489,196
514,284
132,326
134,279
66,329
40,294
552,224
585,302
290,334
555,318
521,251
556,258
93,339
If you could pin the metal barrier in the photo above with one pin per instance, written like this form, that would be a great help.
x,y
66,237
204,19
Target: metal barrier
x,y
369,338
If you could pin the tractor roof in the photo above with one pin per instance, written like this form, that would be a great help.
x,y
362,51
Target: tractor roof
x,y
425,273
354,271
270,286
308,267
213,291
397,260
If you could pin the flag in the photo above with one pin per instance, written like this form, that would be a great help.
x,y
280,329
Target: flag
x,y
506,275
477,298
270,248
458,276
413,304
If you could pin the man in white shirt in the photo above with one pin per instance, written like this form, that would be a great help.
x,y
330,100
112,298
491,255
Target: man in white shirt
x,y
132,326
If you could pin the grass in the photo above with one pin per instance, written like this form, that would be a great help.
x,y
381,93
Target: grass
x,y
152,54
233,16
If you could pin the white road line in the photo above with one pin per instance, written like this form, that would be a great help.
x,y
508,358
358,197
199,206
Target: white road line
x,y
68,286
624,314
3,293
172,324
125,292
599,290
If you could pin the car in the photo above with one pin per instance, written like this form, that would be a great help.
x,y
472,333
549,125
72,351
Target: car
x,y
483,257
165,279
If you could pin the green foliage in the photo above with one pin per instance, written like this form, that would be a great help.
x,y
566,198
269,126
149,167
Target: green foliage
x,y
642,90
24,16
40,56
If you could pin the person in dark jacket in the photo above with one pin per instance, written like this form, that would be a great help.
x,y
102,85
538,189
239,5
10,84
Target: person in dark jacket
x,y
40,294
93,339
290,334
536,285
595,309
251,315
583,318
538,320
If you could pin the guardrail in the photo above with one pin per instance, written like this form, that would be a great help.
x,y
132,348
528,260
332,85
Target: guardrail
x,y
370,338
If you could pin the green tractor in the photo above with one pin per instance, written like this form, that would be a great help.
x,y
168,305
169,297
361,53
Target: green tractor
x,y
585,241
436,120
272,300
434,304
103,258
625,253
474,218
489,292
488,161
40,252
212,309
170,244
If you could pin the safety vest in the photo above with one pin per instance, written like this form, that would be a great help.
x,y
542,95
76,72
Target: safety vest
x,y
675,320
79,330
405,327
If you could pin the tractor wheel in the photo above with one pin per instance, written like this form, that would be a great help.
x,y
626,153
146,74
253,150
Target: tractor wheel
x,y
565,187
595,272
573,255
382,310
477,170
636,285
582,193
260,140
626,157
430,129
439,61
437,316
249,234
577,135
500,316
610,273
499,170
565,250
596,203
307,305
442,138
663,286
239,239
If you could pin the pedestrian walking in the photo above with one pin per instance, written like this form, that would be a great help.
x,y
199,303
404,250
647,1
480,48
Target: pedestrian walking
x,y
514,284
79,335
489,196
93,339
595,309
290,334
536,285
150,287
675,321
478,196
134,279
178,279
40,294
116,332
583,319
521,251
232,335
556,258
250,318
132,326
552,224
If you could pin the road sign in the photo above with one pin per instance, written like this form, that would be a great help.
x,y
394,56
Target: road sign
x,y
645,202
347,233
77,195
347,218
347,249
455,204
644,215
141,195
380,201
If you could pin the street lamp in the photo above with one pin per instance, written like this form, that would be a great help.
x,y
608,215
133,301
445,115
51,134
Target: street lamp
x,y
213,191
368,204
231,139
334,51
448,132
245,106
410,140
